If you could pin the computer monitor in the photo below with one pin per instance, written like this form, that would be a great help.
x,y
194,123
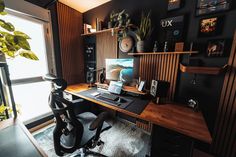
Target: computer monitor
x,y
120,69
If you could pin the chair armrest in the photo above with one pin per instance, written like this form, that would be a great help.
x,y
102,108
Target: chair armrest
x,y
98,122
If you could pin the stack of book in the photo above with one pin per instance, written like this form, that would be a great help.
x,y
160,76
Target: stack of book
x,y
87,28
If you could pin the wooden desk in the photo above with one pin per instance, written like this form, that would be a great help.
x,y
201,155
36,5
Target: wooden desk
x,y
171,116
29,150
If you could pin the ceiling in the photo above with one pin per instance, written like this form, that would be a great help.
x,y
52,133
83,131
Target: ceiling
x,y
83,5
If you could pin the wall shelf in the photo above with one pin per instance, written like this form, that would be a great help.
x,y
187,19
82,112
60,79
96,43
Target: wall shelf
x,y
162,53
102,31
203,70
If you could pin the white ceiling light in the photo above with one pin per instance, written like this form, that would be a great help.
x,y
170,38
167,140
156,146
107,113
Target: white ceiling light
x,y
83,5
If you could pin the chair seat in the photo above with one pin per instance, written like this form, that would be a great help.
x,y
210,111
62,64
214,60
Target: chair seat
x,y
86,119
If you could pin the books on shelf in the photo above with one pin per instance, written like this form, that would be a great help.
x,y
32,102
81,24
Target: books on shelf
x,y
87,28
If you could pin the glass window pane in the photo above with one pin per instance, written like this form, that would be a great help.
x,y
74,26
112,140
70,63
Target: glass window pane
x,y
32,99
24,68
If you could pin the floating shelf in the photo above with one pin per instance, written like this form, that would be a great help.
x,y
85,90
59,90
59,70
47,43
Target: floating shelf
x,y
203,70
162,53
102,31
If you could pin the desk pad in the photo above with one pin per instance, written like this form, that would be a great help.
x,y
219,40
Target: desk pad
x,y
134,104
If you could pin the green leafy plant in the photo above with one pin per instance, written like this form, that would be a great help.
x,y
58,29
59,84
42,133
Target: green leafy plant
x,y
145,27
13,43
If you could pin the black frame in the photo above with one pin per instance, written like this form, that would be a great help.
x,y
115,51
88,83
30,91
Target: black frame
x,y
229,2
7,82
223,42
218,27
175,6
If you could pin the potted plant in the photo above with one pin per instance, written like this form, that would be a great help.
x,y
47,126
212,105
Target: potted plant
x,y
13,43
143,31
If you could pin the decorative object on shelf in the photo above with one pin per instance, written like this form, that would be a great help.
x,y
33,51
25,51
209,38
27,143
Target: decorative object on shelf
x,y
174,4
155,47
211,26
98,24
102,77
143,31
141,86
126,44
179,46
211,6
87,28
173,28
123,23
165,47
215,48
192,103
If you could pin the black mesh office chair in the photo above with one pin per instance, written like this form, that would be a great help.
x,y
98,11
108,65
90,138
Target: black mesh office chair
x,y
73,132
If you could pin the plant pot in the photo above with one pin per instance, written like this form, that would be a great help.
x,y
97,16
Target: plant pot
x,y
140,46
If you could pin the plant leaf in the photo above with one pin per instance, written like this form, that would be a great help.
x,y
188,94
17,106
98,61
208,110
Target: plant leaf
x,y
28,54
7,25
2,6
22,42
3,13
19,33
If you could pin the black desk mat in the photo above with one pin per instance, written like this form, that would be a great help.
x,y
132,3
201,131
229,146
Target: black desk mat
x,y
15,143
134,104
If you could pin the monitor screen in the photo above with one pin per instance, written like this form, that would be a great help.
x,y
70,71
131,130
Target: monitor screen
x,y
119,69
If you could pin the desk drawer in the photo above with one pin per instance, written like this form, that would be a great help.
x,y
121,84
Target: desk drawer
x,y
167,143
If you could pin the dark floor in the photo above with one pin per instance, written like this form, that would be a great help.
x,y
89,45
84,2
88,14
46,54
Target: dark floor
x,y
122,140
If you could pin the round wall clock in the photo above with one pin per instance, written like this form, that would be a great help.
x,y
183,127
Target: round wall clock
x,y
126,44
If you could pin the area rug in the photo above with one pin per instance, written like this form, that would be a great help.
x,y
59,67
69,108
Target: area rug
x,y
122,140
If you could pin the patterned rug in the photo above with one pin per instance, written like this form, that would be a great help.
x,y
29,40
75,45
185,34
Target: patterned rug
x,y
122,140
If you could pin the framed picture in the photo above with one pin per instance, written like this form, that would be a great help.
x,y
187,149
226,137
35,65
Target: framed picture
x,y
174,4
173,28
211,26
211,6
215,48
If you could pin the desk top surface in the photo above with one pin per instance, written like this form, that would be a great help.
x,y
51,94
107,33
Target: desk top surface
x,y
172,116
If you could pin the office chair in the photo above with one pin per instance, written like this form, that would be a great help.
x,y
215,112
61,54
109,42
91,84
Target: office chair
x,y
74,132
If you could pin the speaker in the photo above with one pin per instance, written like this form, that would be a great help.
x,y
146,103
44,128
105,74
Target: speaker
x,y
159,89
90,72
90,55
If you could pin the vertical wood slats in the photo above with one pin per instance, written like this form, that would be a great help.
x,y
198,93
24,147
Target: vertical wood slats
x,y
70,24
224,138
160,67
106,47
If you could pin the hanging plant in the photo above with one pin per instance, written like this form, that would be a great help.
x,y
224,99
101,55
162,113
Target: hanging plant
x,y
13,43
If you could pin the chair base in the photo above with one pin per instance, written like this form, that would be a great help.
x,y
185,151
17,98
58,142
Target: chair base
x,y
83,152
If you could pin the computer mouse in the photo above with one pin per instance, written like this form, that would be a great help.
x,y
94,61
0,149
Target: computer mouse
x,y
121,100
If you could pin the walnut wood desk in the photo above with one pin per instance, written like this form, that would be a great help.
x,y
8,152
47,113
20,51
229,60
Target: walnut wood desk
x,y
171,116
16,141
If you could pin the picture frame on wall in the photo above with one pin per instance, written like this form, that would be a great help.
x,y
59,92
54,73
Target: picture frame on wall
x,y
216,48
174,4
211,26
205,7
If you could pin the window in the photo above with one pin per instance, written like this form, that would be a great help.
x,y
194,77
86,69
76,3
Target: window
x,y
29,89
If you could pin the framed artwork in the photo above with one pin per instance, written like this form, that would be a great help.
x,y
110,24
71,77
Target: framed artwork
x,y
173,28
215,48
211,26
174,4
141,86
211,6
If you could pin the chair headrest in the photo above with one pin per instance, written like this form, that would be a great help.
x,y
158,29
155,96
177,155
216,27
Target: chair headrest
x,y
59,83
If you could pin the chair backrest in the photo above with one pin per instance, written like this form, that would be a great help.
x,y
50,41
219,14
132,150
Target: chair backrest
x,y
68,131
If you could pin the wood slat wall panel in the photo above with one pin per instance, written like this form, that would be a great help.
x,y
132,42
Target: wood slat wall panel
x,y
161,67
224,138
106,47
70,24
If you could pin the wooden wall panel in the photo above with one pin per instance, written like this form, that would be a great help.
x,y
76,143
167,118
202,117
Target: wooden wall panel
x,y
224,138
106,47
160,67
70,23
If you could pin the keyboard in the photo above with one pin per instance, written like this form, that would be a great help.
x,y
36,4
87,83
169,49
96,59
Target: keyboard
x,y
109,96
